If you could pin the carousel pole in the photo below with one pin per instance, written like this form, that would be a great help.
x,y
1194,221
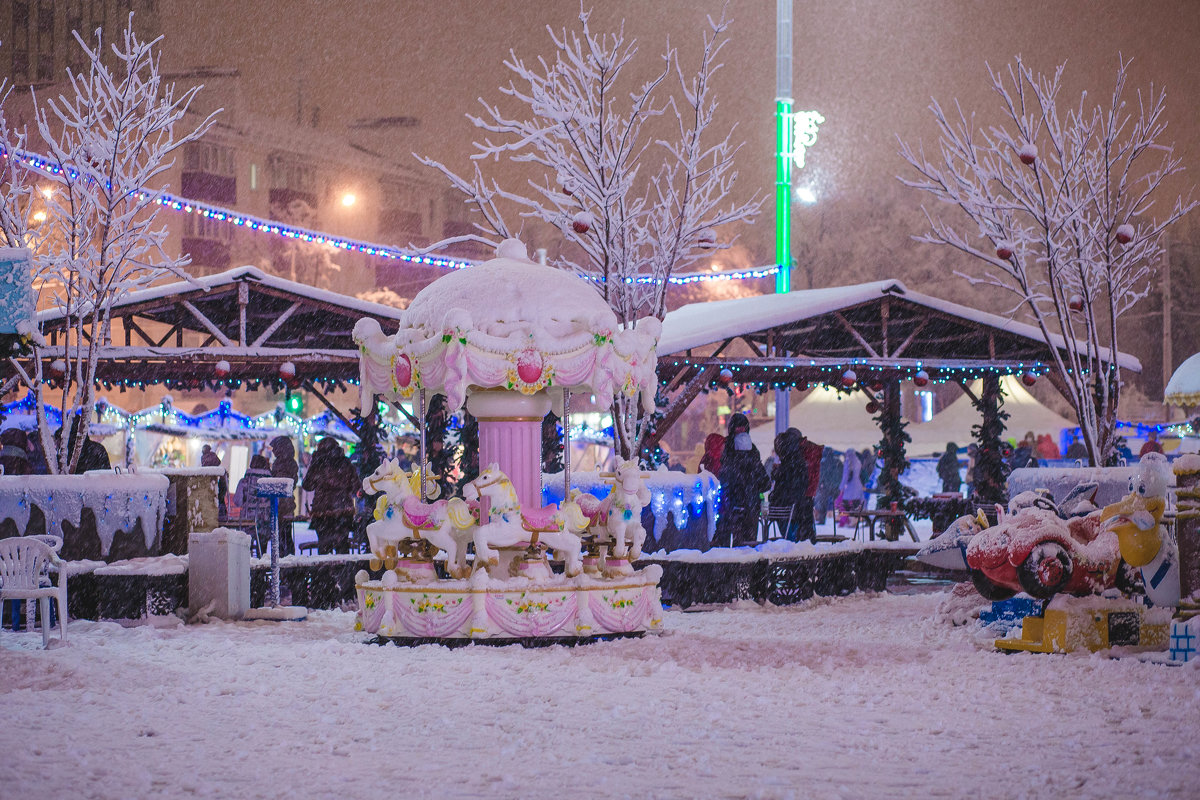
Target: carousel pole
x,y
566,444
422,453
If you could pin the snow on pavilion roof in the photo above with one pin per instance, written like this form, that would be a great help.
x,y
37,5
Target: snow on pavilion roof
x,y
176,333
232,277
953,332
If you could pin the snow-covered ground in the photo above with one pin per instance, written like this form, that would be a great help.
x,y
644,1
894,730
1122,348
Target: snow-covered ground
x,y
866,696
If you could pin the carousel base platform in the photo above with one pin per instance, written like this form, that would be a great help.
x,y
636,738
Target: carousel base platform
x,y
529,641
557,610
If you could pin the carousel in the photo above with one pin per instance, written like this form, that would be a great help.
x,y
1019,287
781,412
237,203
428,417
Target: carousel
x,y
511,340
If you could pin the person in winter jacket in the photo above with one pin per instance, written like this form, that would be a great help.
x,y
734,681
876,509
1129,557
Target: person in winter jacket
x,y
250,505
14,456
743,479
285,466
210,459
713,446
796,479
333,481
947,469
92,456
851,488
1046,448
829,476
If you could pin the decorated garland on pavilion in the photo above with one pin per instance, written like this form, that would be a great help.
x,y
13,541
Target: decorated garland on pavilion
x,y
895,461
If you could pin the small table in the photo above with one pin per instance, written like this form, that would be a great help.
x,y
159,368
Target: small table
x,y
866,519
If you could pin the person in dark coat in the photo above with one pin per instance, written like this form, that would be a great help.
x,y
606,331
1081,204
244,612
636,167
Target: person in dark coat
x,y
333,481
947,469
208,458
14,456
743,479
796,479
250,505
92,455
285,466
829,477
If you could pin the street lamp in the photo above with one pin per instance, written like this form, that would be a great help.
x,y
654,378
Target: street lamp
x,y
348,199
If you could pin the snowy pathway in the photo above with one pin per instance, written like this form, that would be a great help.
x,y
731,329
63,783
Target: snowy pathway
x,y
865,696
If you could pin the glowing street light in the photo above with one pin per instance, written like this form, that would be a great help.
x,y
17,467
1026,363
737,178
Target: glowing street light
x,y
805,195
348,199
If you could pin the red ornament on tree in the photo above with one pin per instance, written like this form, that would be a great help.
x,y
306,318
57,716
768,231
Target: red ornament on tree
x,y
849,378
1028,154
921,378
221,369
726,376
582,222
707,238
1004,250
1075,303
876,385
58,367
872,407
1028,378
1125,233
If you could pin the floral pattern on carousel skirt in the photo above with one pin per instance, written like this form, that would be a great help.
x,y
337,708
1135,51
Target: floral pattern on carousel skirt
x,y
620,611
531,615
372,614
434,615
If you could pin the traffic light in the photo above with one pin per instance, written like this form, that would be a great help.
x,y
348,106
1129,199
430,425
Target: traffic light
x,y
294,403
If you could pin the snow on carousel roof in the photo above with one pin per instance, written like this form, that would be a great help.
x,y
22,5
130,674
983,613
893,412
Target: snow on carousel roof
x,y
521,296
510,324
1184,387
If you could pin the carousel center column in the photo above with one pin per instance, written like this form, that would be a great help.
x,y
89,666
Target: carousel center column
x,y
510,434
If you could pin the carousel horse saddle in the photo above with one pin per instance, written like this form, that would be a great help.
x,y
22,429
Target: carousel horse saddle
x,y
593,508
420,515
542,520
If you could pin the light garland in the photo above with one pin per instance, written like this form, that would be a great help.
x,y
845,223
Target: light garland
x,y
260,225
837,369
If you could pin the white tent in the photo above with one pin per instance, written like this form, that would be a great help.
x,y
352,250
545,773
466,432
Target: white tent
x,y
954,423
841,421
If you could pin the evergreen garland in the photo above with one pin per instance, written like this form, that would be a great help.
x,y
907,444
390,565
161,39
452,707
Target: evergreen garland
x,y
892,454
988,479
652,457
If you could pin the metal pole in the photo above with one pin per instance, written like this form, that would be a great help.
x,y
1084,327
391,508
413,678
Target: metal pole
x,y
422,454
783,146
566,420
274,598
1168,362
783,176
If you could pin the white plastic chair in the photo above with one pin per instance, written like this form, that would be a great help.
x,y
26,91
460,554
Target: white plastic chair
x,y
25,575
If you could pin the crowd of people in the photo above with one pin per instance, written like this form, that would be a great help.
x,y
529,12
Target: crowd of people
x,y
801,479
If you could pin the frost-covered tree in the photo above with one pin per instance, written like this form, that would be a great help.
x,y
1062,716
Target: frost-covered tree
x,y
628,174
1058,204
109,139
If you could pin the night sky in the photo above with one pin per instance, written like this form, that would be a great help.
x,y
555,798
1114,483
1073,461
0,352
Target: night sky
x,y
870,66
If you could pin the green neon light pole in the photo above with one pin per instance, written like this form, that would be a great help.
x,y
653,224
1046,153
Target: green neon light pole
x,y
783,194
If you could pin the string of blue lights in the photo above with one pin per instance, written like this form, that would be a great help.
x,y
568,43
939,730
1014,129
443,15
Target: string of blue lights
x,y
249,222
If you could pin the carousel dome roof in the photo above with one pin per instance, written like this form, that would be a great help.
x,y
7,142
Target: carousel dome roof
x,y
1184,387
510,294
509,324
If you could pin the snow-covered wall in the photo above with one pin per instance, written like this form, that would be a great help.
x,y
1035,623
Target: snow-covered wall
x,y
118,501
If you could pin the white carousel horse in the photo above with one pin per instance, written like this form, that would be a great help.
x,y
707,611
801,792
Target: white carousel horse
x,y
400,515
624,524
510,526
